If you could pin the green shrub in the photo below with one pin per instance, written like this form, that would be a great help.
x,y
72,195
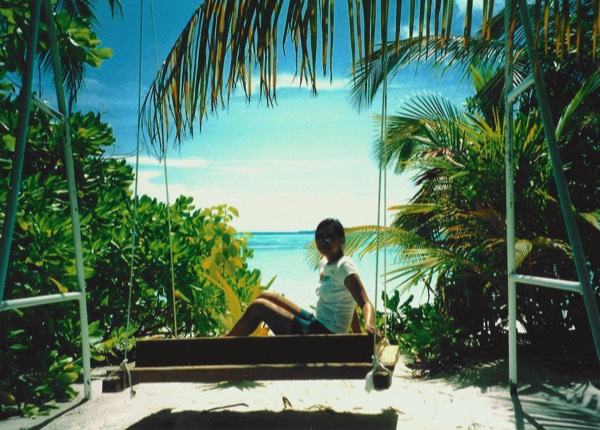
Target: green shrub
x,y
427,335
37,343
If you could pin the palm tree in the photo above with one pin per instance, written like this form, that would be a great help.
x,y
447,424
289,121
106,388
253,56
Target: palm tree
x,y
486,51
571,77
75,20
451,238
228,44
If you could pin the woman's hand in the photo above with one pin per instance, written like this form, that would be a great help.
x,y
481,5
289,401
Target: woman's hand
x,y
370,329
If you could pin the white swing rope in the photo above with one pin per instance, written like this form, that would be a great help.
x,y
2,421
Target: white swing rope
x,y
124,366
382,189
134,234
170,230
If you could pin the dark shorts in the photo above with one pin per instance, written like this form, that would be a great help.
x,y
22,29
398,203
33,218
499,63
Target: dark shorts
x,y
306,323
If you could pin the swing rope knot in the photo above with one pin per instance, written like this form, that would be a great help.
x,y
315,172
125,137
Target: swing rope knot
x,y
379,378
127,377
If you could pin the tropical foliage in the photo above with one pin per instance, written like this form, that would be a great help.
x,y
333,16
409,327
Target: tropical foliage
x,y
209,256
229,44
35,362
486,52
77,40
450,236
450,239
430,339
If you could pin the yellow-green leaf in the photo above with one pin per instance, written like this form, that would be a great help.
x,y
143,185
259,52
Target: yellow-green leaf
x,y
60,287
9,141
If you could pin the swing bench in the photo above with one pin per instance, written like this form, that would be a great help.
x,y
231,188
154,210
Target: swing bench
x,y
282,357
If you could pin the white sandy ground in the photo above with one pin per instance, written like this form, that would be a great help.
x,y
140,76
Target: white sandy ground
x,y
475,398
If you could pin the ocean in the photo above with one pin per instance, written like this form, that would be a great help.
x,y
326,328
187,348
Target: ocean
x,y
284,255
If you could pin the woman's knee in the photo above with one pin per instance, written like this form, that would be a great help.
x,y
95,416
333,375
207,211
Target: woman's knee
x,y
258,306
268,295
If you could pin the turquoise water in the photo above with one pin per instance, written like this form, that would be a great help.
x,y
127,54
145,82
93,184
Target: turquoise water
x,y
284,255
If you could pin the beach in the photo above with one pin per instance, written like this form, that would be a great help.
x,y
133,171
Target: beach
x,y
477,397
550,394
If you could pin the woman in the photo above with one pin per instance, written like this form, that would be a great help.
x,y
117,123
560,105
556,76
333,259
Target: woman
x,y
340,290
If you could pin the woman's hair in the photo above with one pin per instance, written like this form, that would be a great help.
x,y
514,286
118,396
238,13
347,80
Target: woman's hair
x,y
338,228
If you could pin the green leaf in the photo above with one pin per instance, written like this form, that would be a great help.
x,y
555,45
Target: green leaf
x,y
81,36
67,378
6,86
234,211
18,347
9,142
593,218
59,286
9,15
103,53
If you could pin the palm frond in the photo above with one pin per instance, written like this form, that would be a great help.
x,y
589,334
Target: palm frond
x,y
226,42
589,87
593,218
537,250
362,240
486,47
73,67
426,125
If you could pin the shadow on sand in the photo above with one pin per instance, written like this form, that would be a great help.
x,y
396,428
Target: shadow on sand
x,y
265,420
549,396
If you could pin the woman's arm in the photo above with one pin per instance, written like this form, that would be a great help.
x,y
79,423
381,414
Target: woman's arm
x,y
355,326
357,289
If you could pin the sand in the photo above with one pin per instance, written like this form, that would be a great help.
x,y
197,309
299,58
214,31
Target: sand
x,y
474,398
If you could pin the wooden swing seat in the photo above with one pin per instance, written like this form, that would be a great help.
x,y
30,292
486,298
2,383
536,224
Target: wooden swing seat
x,y
338,356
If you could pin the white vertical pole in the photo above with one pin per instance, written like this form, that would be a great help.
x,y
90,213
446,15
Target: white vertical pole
x,y
510,200
68,155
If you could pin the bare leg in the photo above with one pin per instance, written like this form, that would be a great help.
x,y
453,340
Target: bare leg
x,y
278,318
281,301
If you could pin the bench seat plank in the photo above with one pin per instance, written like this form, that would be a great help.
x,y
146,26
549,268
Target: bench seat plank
x,y
258,358
254,350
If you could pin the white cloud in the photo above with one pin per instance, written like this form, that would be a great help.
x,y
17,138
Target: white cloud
x,y
189,162
152,184
154,167
292,81
276,204
289,80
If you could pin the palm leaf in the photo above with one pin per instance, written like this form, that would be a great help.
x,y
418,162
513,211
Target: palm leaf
x,y
231,298
426,125
593,218
487,47
590,86
243,34
73,69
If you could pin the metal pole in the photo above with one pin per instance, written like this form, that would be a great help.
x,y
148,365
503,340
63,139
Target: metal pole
x,y
558,284
68,154
561,183
10,212
37,301
510,200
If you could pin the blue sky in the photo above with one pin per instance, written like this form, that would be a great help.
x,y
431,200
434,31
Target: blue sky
x,y
284,168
